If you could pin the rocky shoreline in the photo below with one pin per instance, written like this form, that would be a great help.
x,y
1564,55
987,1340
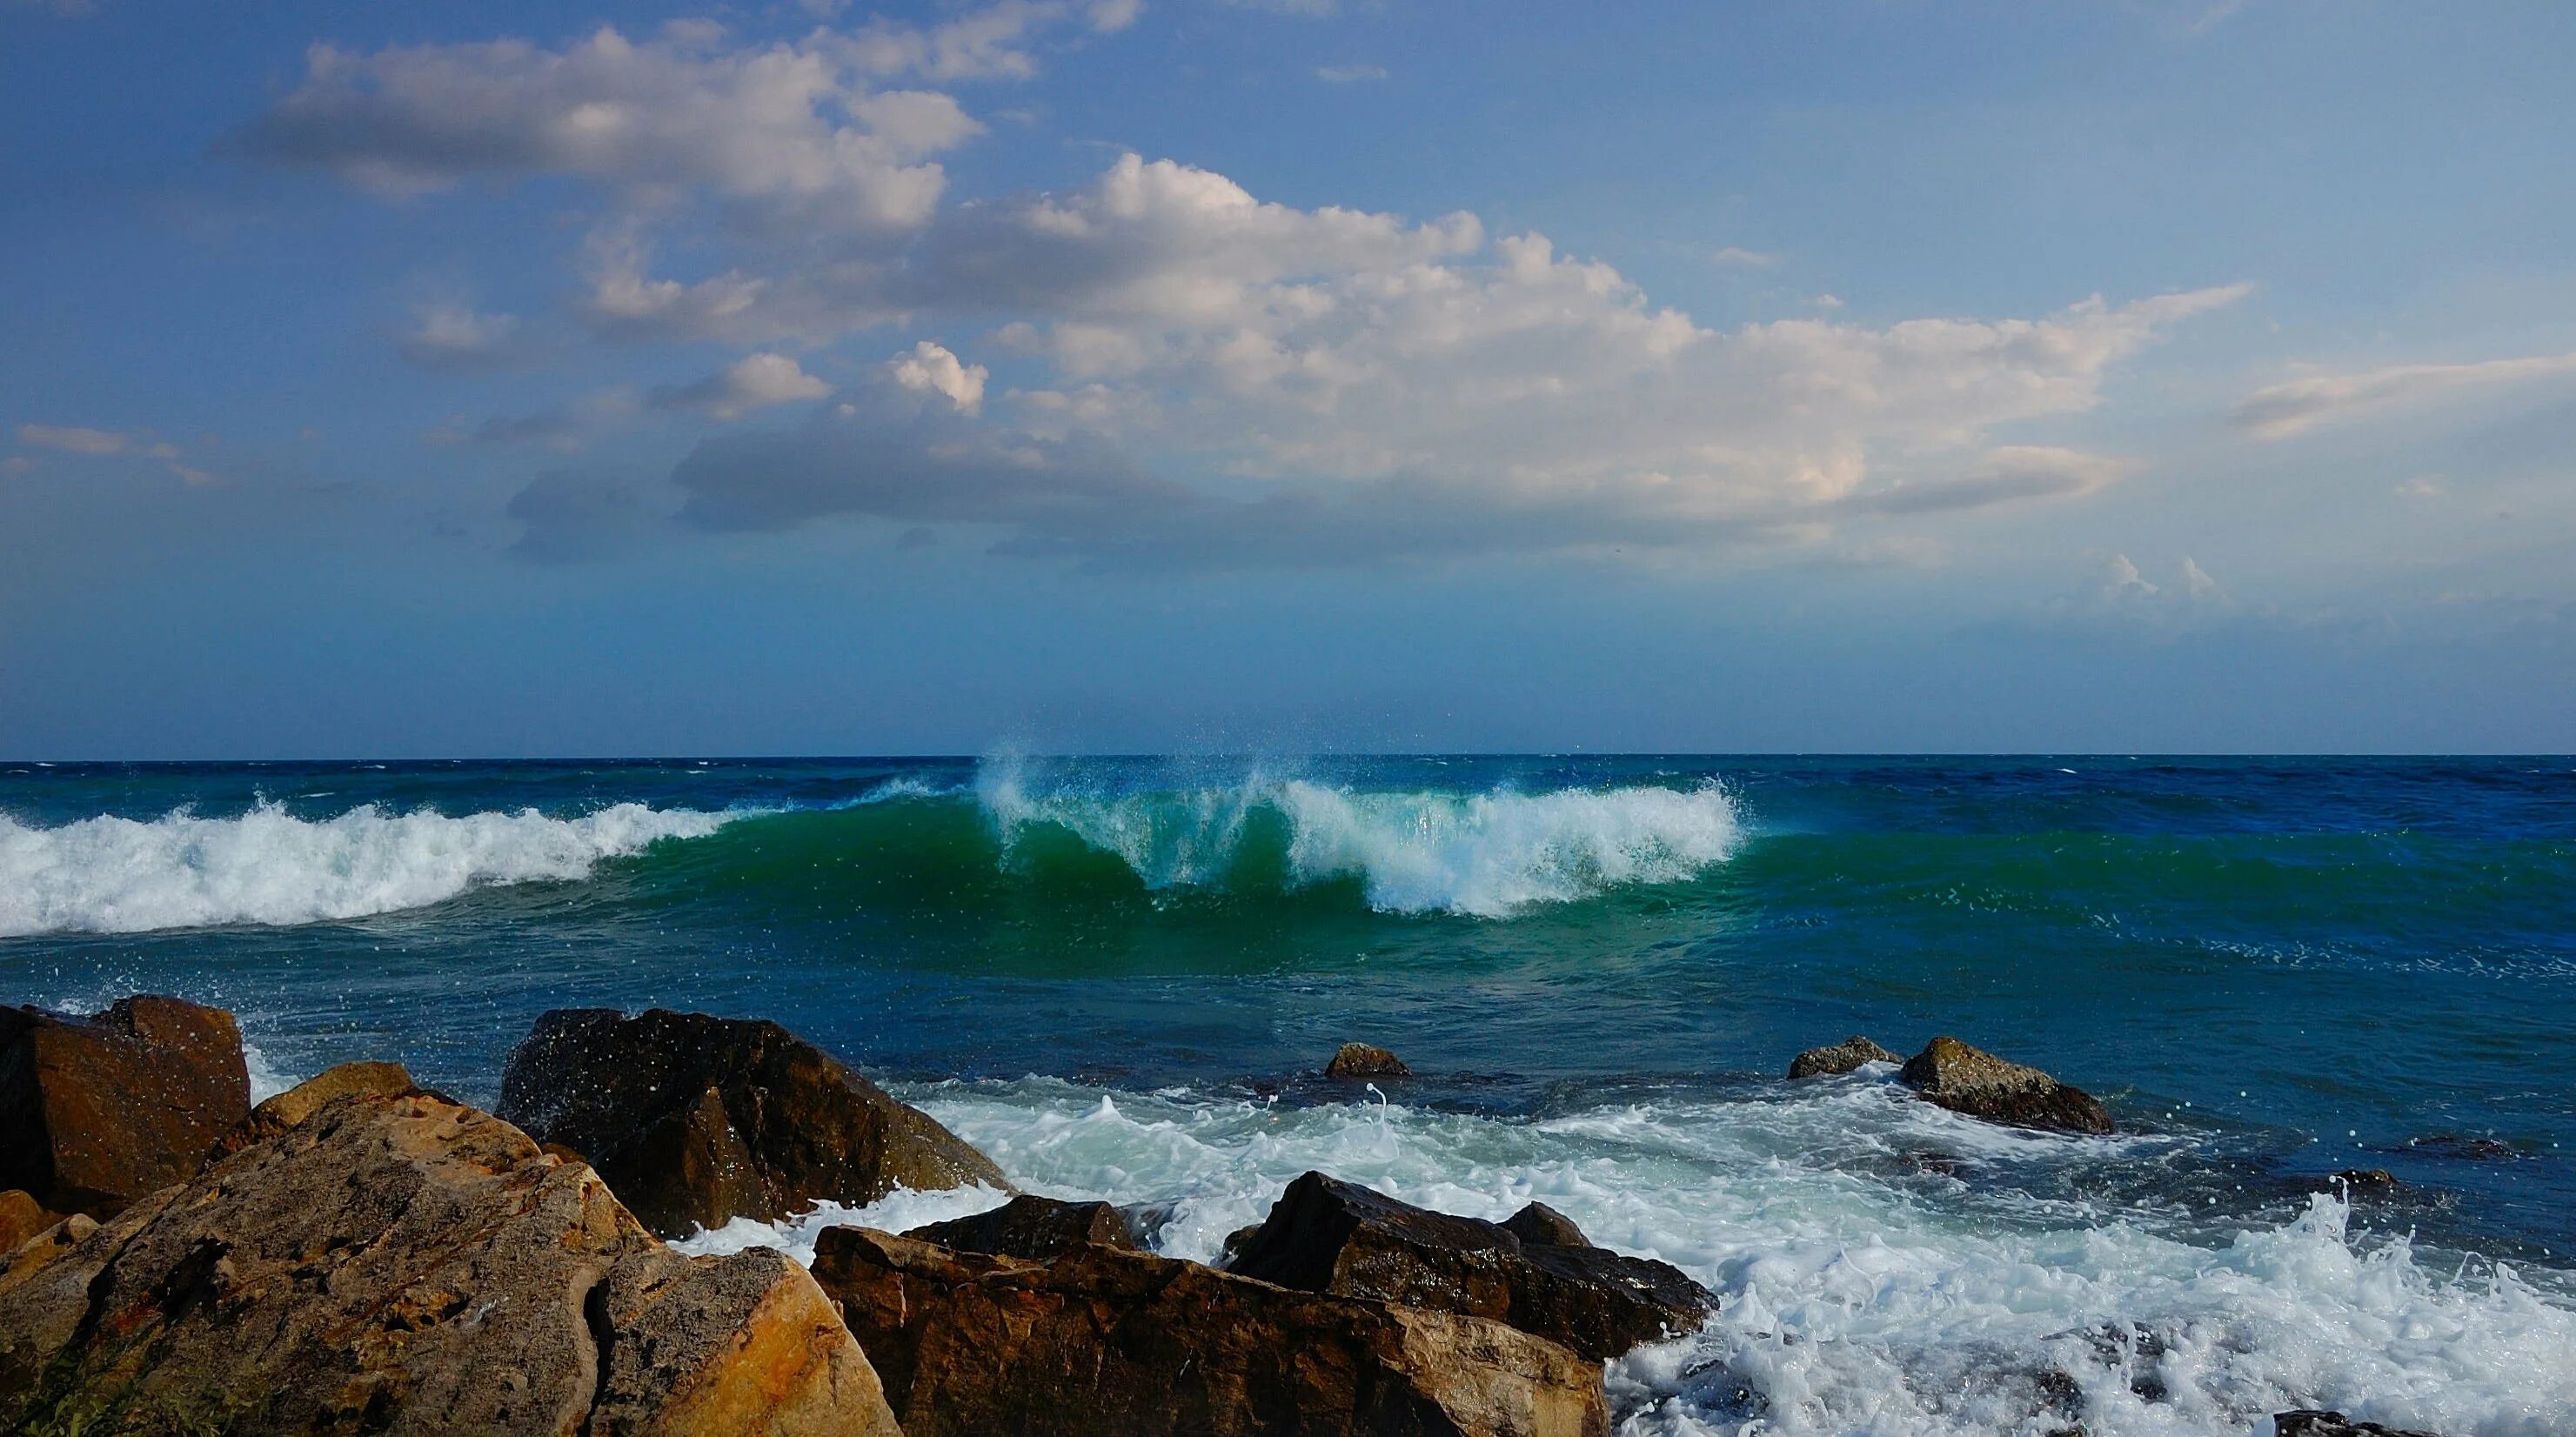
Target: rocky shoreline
x,y
362,1254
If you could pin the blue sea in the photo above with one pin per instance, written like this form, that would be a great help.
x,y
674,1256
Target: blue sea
x,y
1118,977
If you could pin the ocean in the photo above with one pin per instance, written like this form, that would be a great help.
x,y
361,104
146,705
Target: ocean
x,y
1118,977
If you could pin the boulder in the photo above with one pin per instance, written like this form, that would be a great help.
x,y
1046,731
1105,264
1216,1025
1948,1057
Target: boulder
x,y
1977,1083
2331,1424
1032,1227
1359,1060
1326,1235
1540,1225
95,1112
1103,1342
269,1119
2368,1180
695,1120
403,1263
21,1218
1843,1057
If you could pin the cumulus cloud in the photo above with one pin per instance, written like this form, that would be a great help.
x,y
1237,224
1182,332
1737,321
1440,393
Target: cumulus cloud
x,y
2281,411
560,427
454,337
755,381
931,369
568,517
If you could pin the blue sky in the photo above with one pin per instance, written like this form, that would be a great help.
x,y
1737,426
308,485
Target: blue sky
x,y
1086,374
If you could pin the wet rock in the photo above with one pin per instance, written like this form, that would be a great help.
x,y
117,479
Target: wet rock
x,y
22,1217
404,1263
1359,1060
271,1118
1326,1235
1977,1083
2368,1180
1843,1057
95,1112
1103,1342
1032,1227
695,1120
2331,1424
2464,1147
1543,1226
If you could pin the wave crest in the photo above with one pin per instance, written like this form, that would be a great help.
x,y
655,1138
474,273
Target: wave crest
x,y
121,875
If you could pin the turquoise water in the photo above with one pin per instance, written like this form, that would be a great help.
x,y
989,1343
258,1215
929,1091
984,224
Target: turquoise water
x,y
1117,974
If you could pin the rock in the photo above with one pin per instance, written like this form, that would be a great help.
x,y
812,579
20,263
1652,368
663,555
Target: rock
x,y
21,1218
1032,1227
695,1120
1104,1342
23,1261
2368,1180
2466,1147
1326,1235
1843,1057
1359,1060
1544,1226
1975,1082
2331,1424
388,1080
95,1112
746,1346
403,1263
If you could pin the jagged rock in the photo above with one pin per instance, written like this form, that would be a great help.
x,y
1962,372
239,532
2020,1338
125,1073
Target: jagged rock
x,y
2332,1424
1359,1060
1843,1057
1977,1083
1032,1227
2466,1147
95,1112
1543,1226
695,1120
1326,1235
22,1217
23,1261
1103,1342
2368,1180
387,1080
403,1263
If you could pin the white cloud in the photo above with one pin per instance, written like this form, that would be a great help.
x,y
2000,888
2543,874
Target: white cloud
x,y
2281,411
755,381
451,336
2198,586
930,369
1349,74
1736,256
73,439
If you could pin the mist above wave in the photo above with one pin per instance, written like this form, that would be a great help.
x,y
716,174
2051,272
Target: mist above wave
x,y
267,866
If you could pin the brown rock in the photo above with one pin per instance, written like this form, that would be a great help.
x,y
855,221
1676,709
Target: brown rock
x,y
1326,1235
2369,1180
695,1120
1543,1226
1843,1057
1032,1227
2331,1424
403,1263
95,1112
1975,1082
385,1080
1103,1342
21,1218
24,1260
1359,1060
740,1346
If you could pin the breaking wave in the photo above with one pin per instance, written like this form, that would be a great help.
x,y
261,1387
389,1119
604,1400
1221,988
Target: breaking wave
x,y
121,875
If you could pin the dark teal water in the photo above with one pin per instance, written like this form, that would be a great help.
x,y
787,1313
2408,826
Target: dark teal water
x,y
2301,965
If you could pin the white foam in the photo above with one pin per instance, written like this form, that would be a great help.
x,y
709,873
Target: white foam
x,y
1851,1304
119,875
1486,854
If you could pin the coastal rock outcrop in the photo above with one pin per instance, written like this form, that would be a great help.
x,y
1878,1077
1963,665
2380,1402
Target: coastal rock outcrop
x,y
1539,1224
404,1263
1330,1236
1103,1342
2332,1424
1970,1080
285,1110
1361,1060
694,1120
1033,1227
96,1112
1843,1057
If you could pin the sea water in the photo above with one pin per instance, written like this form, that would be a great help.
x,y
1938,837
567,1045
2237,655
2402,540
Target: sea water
x,y
1118,976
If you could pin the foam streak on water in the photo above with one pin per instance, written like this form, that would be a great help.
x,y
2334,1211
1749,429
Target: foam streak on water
x,y
119,875
1850,1306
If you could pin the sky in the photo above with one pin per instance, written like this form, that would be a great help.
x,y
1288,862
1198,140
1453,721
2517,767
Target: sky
x,y
535,379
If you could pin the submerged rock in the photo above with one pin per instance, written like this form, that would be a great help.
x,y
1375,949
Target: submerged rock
x,y
1034,1227
1103,1342
1544,1226
2331,1424
96,1112
1326,1235
1977,1083
695,1120
2466,1147
408,1264
1843,1057
1359,1060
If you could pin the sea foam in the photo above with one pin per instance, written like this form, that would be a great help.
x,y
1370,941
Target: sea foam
x,y
1484,854
119,875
